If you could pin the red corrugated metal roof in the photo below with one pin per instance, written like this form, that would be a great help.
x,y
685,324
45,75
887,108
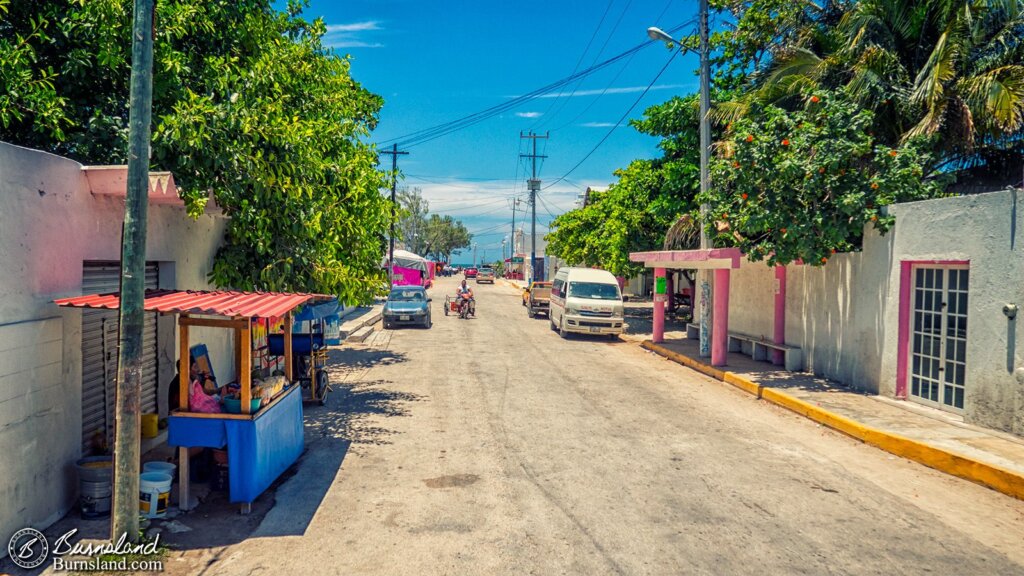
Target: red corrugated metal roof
x,y
219,303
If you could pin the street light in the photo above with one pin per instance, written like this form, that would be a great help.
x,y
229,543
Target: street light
x,y
655,33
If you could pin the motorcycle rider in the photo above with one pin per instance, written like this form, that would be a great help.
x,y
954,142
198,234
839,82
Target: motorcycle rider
x,y
465,294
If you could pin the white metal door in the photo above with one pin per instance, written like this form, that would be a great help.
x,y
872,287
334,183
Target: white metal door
x,y
99,355
939,336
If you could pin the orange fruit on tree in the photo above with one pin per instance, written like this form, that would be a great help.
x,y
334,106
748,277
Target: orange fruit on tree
x,y
815,99
750,137
874,185
785,142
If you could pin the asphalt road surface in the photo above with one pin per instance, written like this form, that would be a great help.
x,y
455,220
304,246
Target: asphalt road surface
x,y
492,446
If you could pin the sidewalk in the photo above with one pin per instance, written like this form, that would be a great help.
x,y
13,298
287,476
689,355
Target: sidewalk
x,y
931,437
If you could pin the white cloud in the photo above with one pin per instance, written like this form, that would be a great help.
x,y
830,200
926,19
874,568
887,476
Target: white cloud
x,y
529,114
354,27
598,124
349,35
622,90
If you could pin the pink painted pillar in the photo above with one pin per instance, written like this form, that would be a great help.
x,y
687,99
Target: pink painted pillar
x,y
903,331
659,309
780,313
720,321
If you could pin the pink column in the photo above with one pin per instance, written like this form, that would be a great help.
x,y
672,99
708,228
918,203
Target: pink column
x,y
720,322
780,313
659,309
903,330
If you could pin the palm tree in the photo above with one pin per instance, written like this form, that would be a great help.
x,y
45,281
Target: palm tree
x,y
951,69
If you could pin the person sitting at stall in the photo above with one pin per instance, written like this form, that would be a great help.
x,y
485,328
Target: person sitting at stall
x,y
208,384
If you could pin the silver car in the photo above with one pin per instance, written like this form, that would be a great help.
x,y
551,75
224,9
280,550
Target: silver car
x,y
407,305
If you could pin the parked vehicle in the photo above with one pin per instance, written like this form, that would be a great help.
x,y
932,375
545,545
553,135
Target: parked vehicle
x,y
537,298
485,274
407,305
586,301
471,272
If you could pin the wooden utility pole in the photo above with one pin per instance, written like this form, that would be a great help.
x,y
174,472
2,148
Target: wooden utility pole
x,y
125,518
394,209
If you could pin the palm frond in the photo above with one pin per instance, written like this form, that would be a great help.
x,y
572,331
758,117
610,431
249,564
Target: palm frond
x,y
997,94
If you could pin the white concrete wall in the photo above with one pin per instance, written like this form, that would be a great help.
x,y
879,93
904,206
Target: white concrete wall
x,y
49,225
987,230
845,315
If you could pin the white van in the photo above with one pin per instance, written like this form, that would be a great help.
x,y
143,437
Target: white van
x,y
586,301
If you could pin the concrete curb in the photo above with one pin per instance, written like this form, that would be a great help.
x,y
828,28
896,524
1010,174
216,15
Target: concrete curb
x,y
999,479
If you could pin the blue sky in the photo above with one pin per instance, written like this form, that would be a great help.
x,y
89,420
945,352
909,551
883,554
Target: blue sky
x,y
436,61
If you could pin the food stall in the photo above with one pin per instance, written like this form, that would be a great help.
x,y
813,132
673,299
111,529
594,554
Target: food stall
x,y
265,437
409,269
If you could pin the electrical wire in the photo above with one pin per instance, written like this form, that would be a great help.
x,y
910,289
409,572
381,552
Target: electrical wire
x,y
578,62
617,124
427,134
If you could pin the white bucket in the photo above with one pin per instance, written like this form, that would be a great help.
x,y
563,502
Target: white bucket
x,y
154,492
159,466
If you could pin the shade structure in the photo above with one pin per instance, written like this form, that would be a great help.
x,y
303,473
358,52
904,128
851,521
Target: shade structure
x,y
210,302
406,259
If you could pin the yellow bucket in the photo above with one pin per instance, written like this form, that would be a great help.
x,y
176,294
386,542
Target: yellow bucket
x,y
149,426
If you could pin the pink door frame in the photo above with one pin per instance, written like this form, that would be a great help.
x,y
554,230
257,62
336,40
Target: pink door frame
x,y
903,333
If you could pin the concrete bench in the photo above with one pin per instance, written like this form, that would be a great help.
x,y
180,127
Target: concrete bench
x,y
759,349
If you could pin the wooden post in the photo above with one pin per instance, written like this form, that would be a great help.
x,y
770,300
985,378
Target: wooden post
x,y
127,424
238,354
288,347
245,370
184,383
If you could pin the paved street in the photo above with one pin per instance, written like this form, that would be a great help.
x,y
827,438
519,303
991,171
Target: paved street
x,y
492,446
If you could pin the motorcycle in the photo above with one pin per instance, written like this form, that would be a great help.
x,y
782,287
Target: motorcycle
x,y
467,306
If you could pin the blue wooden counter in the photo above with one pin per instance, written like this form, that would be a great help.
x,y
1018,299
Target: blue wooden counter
x,y
260,447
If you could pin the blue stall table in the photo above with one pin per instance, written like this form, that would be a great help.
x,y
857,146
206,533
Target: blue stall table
x,y
260,446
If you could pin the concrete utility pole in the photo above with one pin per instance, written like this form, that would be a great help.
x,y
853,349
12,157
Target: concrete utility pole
x,y
515,202
533,185
394,208
705,176
125,519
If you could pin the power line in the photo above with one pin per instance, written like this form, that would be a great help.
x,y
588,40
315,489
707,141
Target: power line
x,y
427,134
617,124
600,23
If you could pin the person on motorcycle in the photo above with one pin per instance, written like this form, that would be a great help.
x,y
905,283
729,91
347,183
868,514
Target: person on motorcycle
x,y
465,294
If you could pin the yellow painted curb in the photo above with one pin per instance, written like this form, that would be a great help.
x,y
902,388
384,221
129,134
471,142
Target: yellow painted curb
x,y
995,477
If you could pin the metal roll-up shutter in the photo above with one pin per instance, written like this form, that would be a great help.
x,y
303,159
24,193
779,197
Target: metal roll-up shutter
x,y
99,354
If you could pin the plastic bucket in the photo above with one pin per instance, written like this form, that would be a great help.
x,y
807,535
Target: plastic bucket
x,y
96,469
154,492
94,499
150,425
168,468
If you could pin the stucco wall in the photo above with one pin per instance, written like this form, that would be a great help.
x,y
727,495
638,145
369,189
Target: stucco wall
x,y
49,225
845,315
988,231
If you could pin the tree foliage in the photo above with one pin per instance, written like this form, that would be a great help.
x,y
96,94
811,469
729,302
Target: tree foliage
x,y
445,235
248,106
946,68
791,185
634,213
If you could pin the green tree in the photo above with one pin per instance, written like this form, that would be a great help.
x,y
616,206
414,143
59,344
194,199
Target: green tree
x,y
946,68
412,219
249,107
791,185
636,211
445,235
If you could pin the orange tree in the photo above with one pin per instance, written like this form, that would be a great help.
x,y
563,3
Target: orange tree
x,y
802,184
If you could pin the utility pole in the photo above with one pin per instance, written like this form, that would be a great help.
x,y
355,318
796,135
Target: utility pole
x,y
512,258
533,185
125,519
705,177
394,208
